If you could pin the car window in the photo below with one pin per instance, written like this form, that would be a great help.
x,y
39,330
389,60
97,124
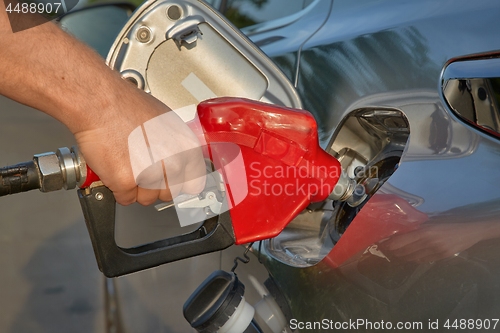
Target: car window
x,y
244,13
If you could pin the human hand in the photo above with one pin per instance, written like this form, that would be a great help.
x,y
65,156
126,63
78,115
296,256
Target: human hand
x,y
123,162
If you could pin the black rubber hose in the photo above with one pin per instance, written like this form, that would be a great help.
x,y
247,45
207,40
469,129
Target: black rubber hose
x,y
18,178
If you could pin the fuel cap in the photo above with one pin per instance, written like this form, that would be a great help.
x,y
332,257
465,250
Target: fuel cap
x,y
218,305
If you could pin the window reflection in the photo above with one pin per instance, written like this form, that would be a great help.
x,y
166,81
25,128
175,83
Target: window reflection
x,y
244,13
476,100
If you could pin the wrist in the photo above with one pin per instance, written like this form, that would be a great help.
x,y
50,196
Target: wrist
x,y
90,107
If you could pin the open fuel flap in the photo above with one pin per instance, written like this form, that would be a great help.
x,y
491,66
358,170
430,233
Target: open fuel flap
x,y
184,52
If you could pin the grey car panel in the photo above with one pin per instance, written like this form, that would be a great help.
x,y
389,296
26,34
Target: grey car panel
x,y
379,54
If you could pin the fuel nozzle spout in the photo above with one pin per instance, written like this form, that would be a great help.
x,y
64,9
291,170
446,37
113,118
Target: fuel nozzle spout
x,y
348,190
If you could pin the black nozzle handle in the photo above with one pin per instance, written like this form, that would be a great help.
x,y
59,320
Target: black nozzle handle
x,y
19,178
99,209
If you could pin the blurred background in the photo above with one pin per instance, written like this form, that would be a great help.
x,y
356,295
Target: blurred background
x,y
49,281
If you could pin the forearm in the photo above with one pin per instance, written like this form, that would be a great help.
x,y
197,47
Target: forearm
x,y
47,69
38,69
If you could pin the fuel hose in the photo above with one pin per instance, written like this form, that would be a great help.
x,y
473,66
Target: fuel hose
x,y
18,178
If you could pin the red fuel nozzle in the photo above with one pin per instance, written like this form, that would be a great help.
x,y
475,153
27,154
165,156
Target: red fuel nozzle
x,y
285,169
271,166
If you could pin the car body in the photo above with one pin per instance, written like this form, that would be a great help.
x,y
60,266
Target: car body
x,y
379,54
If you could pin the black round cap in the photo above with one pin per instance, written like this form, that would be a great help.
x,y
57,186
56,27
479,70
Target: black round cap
x,y
214,301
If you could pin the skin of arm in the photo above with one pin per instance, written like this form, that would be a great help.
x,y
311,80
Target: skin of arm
x,y
47,69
